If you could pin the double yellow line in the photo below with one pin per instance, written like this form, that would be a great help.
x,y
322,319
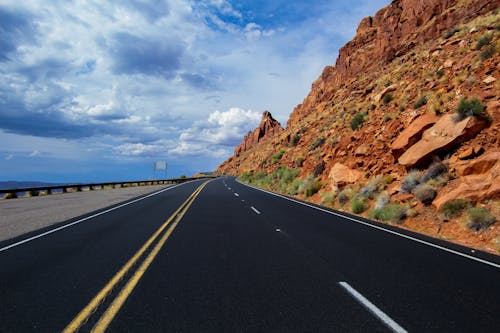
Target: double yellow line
x,y
117,303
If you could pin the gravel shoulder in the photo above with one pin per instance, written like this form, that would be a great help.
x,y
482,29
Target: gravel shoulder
x,y
20,216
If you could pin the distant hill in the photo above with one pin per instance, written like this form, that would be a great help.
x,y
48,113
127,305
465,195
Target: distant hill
x,y
22,184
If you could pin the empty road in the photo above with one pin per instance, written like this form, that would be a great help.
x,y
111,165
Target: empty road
x,y
219,256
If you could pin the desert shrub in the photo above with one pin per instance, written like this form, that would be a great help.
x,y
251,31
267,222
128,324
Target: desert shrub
x,y
479,218
358,120
388,98
344,196
488,52
295,186
449,33
246,176
391,212
328,198
358,206
454,207
295,140
425,193
182,176
468,108
276,157
373,107
319,168
317,143
435,170
299,162
484,40
381,201
411,181
421,101
310,186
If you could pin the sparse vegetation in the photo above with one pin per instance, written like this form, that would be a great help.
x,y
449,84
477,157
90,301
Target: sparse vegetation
x,y
484,40
358,120
449,33
388,98
435,170
454,207
299,162
381,201
421,101
488,52
328,198
468,108
295,140
317,143
479,218
319,168
310,186
411,181
425,193
359,205
391,212
344,196
276,157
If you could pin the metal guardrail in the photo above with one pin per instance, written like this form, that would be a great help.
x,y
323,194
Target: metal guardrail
x,y
69,188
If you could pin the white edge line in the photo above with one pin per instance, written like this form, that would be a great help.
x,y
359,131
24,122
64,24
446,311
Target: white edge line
x,y
86,218
255,210
380,228
388,321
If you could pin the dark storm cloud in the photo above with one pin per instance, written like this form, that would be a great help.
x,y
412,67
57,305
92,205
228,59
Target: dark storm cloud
x,y
15,28
135,55
46,69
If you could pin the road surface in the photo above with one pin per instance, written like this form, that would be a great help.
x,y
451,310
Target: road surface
x,y
219,256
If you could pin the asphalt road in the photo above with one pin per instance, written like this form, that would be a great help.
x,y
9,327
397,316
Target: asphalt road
x,y
224,257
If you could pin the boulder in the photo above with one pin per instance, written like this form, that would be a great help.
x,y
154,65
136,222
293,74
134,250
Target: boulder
x,y
413,133
384,92
479,165
474,187
442,137
341,173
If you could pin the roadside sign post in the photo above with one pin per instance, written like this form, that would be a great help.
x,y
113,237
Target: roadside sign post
x,y
160,165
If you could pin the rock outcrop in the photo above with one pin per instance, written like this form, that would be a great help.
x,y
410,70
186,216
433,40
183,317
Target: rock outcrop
x,y
441,138
382,38
412,134
341,174
268,127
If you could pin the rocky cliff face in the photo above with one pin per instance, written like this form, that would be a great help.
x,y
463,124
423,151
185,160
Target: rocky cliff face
x,y
393,32
417,85
268,127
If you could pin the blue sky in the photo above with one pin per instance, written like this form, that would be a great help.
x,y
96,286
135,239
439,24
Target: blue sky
x,y
99,90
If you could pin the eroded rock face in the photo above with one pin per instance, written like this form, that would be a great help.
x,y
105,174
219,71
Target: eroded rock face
x,y
473,187
382,38
412,134
441,137
268,127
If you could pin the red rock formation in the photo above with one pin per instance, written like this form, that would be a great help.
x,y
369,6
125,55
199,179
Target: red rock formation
x,y
385,36
442,137
412,133
268,127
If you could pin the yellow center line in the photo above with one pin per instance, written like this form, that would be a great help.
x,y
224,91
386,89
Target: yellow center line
x,y
96,301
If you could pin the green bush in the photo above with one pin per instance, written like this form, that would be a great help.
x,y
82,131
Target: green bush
x,y
449,33
358,206
317,143
391,212
295,140
479,218
358,120
388,98
276,157
484,40
295,186
454,207
435,170
327,198
421,101
488,52
425,193
310,186
468,108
